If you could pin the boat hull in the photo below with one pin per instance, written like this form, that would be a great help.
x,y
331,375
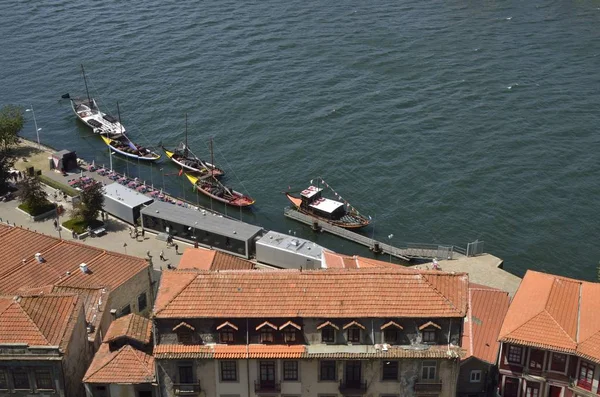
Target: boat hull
x,y
360,223
110,143
239,201
216,171
89,117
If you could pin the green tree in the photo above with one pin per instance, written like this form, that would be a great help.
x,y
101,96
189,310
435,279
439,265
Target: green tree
x,y
11,123
92,202
6,164
31,194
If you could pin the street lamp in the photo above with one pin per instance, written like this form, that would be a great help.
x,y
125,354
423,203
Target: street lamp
x,y
390,239
37,130
110,153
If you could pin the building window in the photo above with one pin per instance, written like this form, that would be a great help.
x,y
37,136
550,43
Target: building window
x,y
475,376
21,379
124,311
228,371
267,372
353,373
328,335
429,336
354,335
186,374
586,375
266,335
290,370
428,370
328,370
390,370
390,336
289,336
43,379
142,303
226,335
184,336
515,353
558,362
536,359
3,380
532,389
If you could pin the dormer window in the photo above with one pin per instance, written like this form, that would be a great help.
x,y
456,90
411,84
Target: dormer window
x,y
266,332
227,332
391,332
289,331
185,333
328,330
429,332
353,331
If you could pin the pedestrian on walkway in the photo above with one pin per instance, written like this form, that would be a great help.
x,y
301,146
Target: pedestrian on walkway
x,y
176,249
55,224
195,244
162,256
143,233
148,253
73,233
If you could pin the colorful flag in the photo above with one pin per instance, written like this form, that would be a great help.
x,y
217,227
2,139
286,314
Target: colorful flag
x,y
180,172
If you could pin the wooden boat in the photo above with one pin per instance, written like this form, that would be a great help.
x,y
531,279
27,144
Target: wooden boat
x,y
341,214
183,157
211,187
124,146
87,110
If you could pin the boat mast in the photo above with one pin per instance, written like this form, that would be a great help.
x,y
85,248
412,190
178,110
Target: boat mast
x,y
212,159
86,86
185,149
119,115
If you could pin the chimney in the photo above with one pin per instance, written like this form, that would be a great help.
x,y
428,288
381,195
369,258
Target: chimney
x,y
84,268
38,258
113,314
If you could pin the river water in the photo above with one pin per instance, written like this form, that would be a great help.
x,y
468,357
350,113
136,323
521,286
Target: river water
x,y
446,121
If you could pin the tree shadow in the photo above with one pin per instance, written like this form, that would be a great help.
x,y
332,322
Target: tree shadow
x,y
24,151
114,226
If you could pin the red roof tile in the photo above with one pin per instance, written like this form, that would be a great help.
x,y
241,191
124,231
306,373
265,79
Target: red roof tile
x,y
132,326
20,270
124,366
555,313
334,260
45,320
487,307
320,293
205,259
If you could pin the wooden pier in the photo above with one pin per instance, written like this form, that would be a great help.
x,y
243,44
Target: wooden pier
x,y
406,253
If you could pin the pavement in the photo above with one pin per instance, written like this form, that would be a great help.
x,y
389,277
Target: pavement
x,y
483,269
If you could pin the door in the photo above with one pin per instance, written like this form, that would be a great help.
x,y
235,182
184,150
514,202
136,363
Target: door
x,y
511,387
353,374
555,391
267,373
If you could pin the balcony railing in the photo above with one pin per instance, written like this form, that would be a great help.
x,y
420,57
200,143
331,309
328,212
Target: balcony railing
x,y
584,384
352,387
186,389
428,387
267,386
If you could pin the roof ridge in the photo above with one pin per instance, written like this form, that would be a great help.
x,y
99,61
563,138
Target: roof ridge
x,y
37,328
537,315
439,293
110,356
471,337
143,364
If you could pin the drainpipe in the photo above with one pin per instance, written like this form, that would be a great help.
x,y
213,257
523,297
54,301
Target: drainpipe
x,y
248,355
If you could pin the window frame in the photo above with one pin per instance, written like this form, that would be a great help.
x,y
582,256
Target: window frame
x,y
387,332
426,369
509,354
429,336
140,308
385,377
226,335
529,390
125,310
186,365
543,357
290,336
334,370
588,367
285,371
36,372
351,334
14,381
4,374
266,335
477,378
328,329
565,363
223,370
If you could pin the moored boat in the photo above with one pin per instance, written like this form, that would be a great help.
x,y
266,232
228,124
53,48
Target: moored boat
x,y
211,187
124,146
87,110
341,214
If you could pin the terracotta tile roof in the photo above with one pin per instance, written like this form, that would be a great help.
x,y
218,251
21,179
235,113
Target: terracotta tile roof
x,y
332,260
124,366
205,259
20,270
487,307
178,352
132,326
555,313
94,300
346,293
44,320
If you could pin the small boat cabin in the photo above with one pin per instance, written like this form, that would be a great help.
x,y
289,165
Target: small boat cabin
x,y
313,201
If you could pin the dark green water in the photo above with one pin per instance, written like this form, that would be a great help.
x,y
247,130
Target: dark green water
x,y
445,121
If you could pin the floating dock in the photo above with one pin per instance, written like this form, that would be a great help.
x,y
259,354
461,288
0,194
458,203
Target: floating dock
x,y
410,251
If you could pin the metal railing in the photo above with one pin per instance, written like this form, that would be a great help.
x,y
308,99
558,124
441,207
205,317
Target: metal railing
x,y
352,386
428,387
267,386
186,389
